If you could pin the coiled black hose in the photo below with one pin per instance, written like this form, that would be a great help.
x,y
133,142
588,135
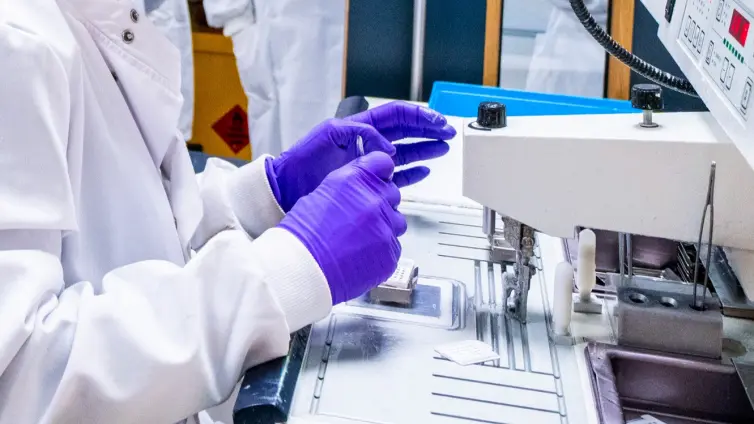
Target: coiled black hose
x,y
634,62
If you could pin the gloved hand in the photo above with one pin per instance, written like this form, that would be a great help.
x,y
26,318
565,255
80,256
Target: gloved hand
x,y
332,144
351,226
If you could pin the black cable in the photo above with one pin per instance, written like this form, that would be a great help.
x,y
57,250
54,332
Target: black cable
x,y
634,62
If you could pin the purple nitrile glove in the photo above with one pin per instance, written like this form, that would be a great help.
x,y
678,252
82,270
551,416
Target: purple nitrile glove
x,y
350,225
332,144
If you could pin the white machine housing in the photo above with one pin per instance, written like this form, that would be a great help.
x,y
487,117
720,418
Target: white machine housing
x,y
557,173
713,44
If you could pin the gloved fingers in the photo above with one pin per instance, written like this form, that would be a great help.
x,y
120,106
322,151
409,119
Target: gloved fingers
x,y
444,133
415,152
378,163
372,140
393,195
410,176
398,120
397,251
398,221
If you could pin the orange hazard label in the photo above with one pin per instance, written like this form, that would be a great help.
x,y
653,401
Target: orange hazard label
x,y
233,128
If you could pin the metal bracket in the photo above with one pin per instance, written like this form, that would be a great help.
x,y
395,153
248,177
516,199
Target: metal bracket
x,y
516,285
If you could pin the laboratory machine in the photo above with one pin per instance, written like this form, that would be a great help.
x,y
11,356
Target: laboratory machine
x,y
600,268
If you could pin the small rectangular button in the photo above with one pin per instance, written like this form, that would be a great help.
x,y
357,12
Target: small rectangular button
x,y
688,25
701,42
729,76
710,49
746,95
724,70
695,38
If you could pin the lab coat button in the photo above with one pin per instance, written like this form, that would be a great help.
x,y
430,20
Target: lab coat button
x,y
128,36
134,15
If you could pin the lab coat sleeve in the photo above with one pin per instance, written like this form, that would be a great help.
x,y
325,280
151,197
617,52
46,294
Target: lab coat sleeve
x,y
229,13
151,342
235,198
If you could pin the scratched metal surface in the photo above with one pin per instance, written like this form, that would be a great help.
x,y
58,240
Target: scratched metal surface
x,y
383,369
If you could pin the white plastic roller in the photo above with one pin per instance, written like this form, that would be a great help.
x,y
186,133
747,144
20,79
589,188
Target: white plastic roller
x,y
561,308
586,274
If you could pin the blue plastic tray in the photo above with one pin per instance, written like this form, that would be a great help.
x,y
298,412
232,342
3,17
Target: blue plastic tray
x,y
455,99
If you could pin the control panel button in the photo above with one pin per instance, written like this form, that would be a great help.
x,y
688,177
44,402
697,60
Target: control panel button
x,y
746,95
688,26
701,42
695,37
724,70
710,49
720,10
729,76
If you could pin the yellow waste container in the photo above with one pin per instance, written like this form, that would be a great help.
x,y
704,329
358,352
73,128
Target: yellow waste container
x,y
220,122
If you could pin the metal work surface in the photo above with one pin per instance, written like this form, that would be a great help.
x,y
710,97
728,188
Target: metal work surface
x,y
378,365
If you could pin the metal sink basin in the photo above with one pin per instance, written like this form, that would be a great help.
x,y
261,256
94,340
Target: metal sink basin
x,y
628,383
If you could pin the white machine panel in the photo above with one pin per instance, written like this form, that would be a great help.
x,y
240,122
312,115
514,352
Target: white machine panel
x,y
711,40
717,33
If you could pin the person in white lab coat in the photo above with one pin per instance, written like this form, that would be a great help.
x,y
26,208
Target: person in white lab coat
x,y
132,290
290,59
566,59
173,19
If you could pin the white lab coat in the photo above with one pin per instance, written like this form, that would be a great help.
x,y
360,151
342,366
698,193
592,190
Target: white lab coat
x,y
566,59
105,315
290,58
173,19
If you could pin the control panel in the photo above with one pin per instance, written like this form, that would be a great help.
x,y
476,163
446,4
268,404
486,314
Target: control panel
x,y
716,33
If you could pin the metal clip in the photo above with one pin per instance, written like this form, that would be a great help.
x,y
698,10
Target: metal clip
x,y
708,205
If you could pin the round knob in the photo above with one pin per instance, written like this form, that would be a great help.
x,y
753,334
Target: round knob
x,y
491,115
646,97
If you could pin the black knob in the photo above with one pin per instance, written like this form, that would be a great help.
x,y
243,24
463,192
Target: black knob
x,y
491,115
647,97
